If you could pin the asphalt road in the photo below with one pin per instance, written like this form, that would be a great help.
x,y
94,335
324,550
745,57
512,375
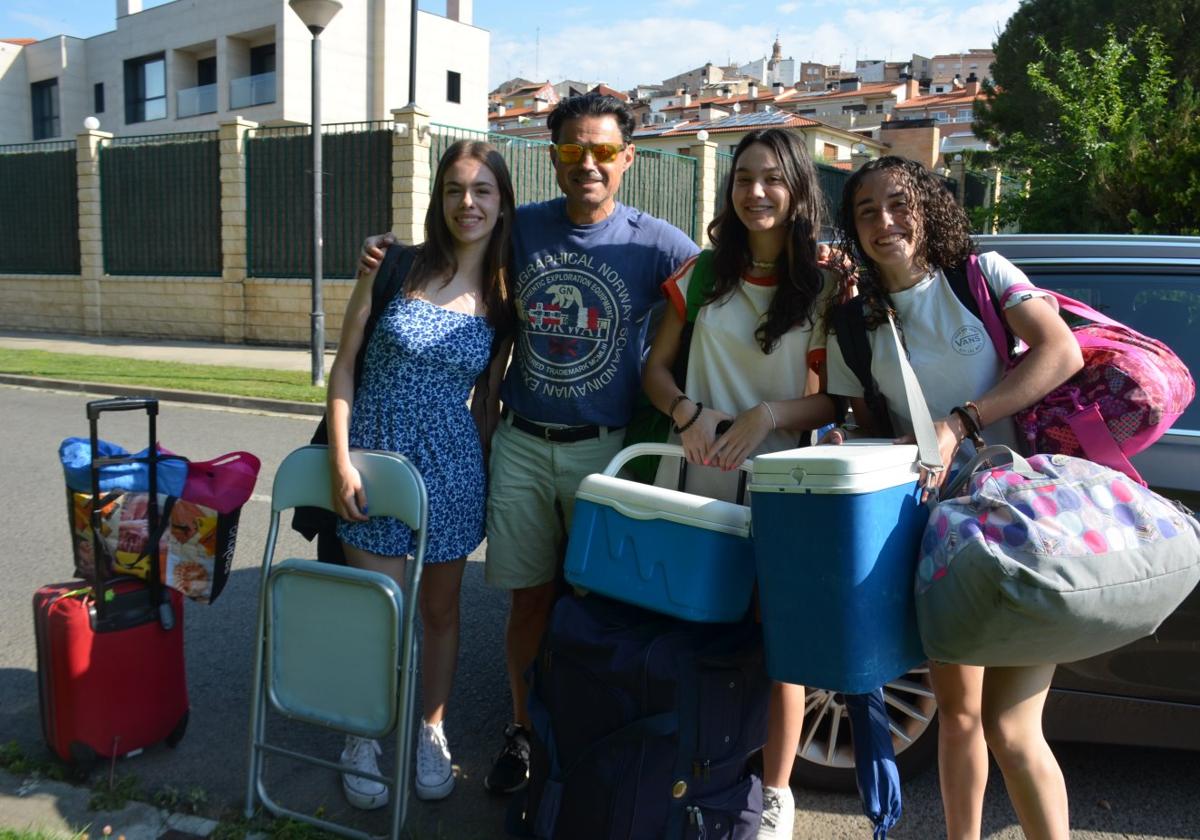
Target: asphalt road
x,y
1116,792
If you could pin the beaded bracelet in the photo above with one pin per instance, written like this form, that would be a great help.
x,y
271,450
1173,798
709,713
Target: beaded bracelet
x,y
681,429
674,404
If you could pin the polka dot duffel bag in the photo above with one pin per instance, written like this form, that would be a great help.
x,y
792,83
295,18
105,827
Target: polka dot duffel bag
x,y
1048,559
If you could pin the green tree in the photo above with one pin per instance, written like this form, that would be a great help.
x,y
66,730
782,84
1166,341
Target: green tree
x,y
1078,25
1115,144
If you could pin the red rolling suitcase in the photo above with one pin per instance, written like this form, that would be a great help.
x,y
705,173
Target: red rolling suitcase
x,y
111,676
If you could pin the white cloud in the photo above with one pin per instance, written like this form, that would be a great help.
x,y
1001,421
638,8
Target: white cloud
x,y
787,8
628,51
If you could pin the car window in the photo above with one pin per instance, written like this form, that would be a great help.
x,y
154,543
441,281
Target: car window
x,y
1163,306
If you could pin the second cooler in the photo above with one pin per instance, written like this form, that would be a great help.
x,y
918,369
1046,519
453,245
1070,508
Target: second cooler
x,y
836,533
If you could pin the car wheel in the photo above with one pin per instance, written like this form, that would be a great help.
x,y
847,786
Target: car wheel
x,y
825,756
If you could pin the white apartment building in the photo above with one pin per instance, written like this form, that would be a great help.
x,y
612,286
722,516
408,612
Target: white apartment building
x,y
191,64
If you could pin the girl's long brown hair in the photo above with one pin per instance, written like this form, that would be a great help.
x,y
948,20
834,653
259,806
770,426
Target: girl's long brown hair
x,y
799,277
435,258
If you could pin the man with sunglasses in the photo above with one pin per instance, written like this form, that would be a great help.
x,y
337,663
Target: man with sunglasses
x,y
588,272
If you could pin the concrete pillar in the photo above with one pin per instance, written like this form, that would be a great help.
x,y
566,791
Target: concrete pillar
x,y
411,175
232,139
91,237
707,188
958,171
858,157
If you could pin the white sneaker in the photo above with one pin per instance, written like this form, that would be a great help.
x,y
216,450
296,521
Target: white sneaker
x,y
367,794
778,814
435,775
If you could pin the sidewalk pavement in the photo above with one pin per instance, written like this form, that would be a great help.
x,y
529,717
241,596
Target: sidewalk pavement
x,y
58,808
192,352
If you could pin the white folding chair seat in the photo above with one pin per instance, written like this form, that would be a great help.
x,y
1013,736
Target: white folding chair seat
x,y
336,646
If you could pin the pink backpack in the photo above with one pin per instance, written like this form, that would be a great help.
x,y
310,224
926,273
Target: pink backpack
x,y
1131,389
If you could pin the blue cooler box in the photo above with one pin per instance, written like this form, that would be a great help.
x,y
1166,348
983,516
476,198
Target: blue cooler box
x,y
675,553
836,533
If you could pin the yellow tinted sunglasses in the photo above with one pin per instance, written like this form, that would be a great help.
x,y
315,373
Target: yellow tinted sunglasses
x,y
601,152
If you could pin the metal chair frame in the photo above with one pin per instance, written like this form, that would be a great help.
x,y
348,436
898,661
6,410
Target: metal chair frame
x,y
395,489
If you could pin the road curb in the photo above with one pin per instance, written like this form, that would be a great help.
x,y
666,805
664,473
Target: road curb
x,y
167,395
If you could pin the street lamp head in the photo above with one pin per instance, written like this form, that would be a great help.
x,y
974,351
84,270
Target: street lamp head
x,y
702,135
91,123
316,14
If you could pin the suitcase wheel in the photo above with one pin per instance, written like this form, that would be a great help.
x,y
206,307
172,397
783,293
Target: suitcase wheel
x,y
82,760
177,733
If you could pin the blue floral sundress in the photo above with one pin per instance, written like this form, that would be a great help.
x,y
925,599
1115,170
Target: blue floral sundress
x,y
420,365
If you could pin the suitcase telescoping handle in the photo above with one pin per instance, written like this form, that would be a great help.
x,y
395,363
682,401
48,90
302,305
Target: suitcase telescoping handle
x,y
166,615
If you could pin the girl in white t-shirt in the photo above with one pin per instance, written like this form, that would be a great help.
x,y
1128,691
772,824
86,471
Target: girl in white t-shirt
x,y
904,230
756,350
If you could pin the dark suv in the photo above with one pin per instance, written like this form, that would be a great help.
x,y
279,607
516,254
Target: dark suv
x,y
1146,693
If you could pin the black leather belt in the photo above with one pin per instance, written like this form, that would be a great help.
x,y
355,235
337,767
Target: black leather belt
x,y
559,434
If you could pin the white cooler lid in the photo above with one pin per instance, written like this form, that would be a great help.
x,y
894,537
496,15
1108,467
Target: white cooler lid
x,y
859,466
645,501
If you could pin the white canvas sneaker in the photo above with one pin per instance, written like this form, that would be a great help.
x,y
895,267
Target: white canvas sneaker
x,y
435,775
778,814
361,792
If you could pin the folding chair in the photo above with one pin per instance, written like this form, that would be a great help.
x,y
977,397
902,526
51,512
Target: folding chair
x,y
336,645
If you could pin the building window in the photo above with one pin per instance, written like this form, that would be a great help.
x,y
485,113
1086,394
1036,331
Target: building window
x,y
262,59
98,98
829,152
940,116
44,96
206,71
878,107
966,114
146,89
453,86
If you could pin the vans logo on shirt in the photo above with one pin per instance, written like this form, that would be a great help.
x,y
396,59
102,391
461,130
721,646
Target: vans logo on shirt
x,y
968,341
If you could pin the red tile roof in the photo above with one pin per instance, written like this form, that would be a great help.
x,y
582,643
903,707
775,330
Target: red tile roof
x,y
872,89
20,42
721,102
937,100
715,127
607,91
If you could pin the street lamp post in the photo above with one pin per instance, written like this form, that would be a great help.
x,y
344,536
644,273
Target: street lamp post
x,y
316,15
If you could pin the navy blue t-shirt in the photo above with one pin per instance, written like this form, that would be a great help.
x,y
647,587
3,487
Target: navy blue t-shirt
x,y
584,296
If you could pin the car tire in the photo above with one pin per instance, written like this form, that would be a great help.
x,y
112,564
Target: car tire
x,y
825,756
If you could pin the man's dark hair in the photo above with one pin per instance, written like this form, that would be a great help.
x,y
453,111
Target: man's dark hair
x,y
591,105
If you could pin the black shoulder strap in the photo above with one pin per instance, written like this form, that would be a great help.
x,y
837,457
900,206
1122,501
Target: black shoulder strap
x,y
389,280
850,329
961,286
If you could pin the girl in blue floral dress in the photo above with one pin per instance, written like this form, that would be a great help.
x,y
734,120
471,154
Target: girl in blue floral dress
x,y
443,334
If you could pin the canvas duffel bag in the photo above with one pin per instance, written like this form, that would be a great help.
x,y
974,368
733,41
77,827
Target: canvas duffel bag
x,y
1046,560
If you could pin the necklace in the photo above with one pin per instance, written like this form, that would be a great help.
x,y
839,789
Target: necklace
x,y
762,265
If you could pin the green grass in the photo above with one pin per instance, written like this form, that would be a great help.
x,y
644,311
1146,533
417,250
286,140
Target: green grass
x,y
34,834
295,386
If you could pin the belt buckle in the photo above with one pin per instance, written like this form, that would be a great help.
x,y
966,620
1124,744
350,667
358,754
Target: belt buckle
x,y
546,430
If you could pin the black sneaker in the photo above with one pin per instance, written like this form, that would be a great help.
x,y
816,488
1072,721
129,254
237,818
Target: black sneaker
x,y
510,771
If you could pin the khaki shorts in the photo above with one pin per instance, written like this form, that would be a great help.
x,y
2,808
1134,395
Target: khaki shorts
x,y
529,481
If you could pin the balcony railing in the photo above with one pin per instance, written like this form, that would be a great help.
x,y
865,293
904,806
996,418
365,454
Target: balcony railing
x,y
252,90
197,100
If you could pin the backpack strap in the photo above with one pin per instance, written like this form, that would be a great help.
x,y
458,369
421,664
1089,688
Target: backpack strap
x,y
701,284
850,329
389,280
974,292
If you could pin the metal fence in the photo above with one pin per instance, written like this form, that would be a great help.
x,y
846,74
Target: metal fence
x,y
664,185
39,209
659,183
832,181
976,190
356,196
160,204
528,160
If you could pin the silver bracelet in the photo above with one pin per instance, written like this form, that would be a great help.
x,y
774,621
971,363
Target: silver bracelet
x,y
771,411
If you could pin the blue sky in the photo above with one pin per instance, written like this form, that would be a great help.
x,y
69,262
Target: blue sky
x,y
626,42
